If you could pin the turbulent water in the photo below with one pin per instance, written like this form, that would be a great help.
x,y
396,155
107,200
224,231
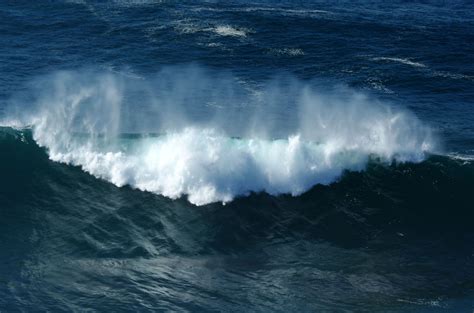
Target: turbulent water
x,y
247,156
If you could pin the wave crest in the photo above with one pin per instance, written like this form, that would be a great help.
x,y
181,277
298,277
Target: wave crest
x,y
81,119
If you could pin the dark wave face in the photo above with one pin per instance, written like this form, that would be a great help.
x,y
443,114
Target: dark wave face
x,y
236,157
391,238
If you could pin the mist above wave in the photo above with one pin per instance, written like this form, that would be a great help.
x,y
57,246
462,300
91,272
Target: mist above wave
x,y
214,136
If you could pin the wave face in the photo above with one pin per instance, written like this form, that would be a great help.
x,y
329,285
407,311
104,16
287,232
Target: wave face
x,y
83,119
370,234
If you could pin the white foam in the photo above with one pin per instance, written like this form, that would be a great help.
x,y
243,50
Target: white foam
x,y
460,156
400,60
226,30
377,84
282,11
210,167
288,51
79,118
456,76
191,27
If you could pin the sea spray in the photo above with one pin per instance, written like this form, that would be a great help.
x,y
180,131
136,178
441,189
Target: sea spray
x,y
185,147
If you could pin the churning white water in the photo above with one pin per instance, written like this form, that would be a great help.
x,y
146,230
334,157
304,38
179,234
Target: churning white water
x,y
81,118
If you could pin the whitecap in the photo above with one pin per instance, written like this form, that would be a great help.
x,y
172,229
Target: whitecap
x,y
461,156
80,118
400,60
226,30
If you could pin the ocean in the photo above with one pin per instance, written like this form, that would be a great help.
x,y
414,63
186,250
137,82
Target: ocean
x,y
236,156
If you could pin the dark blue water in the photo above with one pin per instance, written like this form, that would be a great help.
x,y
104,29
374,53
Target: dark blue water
x,y
309,156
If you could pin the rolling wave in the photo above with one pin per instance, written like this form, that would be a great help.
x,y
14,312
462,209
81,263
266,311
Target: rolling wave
x,y
206,162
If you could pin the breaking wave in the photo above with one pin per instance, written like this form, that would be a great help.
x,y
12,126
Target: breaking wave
x,y
163,136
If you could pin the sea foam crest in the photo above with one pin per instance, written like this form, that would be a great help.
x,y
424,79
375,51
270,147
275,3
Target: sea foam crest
x,y
81,119
226,30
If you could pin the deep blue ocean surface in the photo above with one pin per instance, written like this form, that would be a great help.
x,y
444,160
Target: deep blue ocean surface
x,y
236,156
